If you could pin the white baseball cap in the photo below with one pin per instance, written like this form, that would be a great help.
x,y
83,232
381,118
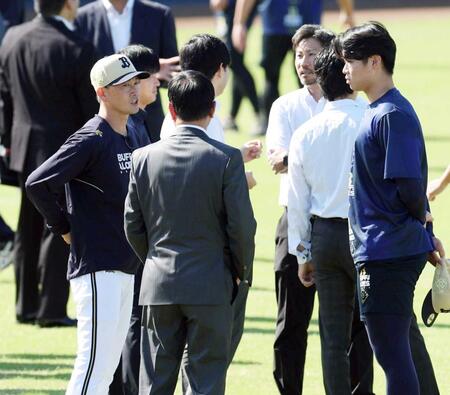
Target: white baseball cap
x,y
114,70
438,298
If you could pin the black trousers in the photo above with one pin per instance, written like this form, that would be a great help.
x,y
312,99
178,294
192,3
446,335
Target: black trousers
x,y
40,264
295,306
274,50
5,231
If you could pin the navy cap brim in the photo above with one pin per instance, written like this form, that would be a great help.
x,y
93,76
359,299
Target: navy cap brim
x,y
138,74
429,315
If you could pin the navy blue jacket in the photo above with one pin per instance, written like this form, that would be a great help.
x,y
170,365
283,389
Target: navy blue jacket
x,y
93,166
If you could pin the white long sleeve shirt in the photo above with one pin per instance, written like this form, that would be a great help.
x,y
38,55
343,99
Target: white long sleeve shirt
x,y
215,128
289,112
319,167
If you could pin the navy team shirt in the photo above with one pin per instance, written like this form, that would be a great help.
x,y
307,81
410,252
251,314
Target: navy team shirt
x,y
390,145
93,167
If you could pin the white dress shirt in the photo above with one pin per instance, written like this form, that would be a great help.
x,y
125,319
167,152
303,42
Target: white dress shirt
x,y
66,22
214,130
289,112
319,167
119,24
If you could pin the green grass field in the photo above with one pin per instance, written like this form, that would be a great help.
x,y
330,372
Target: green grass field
x,y
39,361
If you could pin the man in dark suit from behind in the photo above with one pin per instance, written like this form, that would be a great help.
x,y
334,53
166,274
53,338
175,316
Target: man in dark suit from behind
x,y
111,25
46,96
188,216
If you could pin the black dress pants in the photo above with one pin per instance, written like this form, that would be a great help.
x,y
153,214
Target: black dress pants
x,y
295,306
40,264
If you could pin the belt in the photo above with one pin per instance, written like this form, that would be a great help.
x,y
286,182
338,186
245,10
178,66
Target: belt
x,y
332,219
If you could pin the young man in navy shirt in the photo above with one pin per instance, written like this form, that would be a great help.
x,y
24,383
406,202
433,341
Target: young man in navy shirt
x,y
389,236
92,167
126,377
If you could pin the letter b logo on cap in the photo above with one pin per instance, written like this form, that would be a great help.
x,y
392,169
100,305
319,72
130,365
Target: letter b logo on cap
x,y
125,62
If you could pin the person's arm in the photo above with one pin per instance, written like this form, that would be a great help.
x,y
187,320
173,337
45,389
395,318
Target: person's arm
x,y
242,12
240,223
278,138
298,212
169,59
437,186
218,5
46,183
6,108
346,13
413,197
134,224
83,89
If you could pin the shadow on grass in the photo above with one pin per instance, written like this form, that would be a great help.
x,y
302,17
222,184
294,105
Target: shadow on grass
x,y
437,169
261,289
35,367
437,137
39,356
33,376
260,319
264,331
23,391
245,363
264,259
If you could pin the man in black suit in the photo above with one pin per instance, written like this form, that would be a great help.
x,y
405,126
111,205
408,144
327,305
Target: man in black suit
x,y
188,216
111,25
46,96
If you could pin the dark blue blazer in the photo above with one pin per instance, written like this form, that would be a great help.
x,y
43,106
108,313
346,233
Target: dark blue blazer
x,y
152,25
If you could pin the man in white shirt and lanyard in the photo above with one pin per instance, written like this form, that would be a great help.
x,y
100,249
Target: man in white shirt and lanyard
x,y
295,301
319,168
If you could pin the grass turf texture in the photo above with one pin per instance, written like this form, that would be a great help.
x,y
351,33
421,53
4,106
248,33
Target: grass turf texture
x,y
39,361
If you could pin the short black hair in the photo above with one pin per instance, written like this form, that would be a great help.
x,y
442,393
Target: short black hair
x,y
191,94
204,53
49,7
317,32
328,68
361,42
142,57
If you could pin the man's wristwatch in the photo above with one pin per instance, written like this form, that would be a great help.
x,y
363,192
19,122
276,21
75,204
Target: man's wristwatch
x,y
285,160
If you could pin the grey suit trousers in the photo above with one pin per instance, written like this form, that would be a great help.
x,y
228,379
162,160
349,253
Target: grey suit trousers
x,y
206,329
237,330
335,282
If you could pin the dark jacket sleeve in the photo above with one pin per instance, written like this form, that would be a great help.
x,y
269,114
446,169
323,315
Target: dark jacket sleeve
x,y
46,183
6,108
168,38
241,224
84,90
135,229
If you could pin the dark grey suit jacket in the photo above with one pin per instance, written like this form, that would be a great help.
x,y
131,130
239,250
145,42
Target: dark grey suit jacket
x,y
188,216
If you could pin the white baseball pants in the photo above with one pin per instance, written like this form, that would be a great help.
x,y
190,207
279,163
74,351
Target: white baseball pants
x,y
104,301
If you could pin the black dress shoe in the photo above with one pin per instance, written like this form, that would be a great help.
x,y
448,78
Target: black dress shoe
x,y
57,322
27,319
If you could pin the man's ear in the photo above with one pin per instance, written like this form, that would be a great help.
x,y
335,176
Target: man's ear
x,y
173,113
212,110
101,93
375,61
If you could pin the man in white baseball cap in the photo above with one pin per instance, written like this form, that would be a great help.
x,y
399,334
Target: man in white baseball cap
x,y
92,169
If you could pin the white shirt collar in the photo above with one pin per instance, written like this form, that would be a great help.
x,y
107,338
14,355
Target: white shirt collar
x,y
110,8
341,104
66,22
